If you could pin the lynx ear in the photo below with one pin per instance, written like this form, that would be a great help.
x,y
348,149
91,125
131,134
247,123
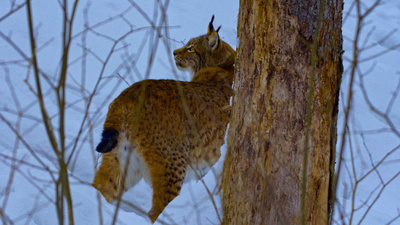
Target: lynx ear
x,y
210,26
213,38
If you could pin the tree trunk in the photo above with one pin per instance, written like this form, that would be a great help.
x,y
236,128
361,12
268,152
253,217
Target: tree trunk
x,y
284,113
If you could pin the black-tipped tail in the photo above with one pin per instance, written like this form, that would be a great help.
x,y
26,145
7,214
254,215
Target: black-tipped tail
x,y
109,139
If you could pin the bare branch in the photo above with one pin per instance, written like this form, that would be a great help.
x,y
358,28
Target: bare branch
x,y
13,10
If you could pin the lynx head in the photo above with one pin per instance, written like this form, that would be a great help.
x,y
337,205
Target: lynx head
x,y
204,51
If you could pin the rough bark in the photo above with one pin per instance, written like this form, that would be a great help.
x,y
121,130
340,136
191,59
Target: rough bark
x,y
289,55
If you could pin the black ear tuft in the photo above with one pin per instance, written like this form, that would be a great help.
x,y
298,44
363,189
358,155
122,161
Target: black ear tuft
x,y
109,139
218,29
210,26
212,19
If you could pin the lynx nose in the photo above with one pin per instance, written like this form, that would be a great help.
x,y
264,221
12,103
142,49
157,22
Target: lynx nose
x,y
175,52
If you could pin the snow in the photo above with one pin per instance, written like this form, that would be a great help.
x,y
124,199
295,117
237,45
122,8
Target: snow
x,y
27,190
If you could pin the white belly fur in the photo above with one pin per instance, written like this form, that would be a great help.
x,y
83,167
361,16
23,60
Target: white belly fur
x,y
136,168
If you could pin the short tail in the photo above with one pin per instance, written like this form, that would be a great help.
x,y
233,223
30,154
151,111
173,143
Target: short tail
x,y
109,139
112,127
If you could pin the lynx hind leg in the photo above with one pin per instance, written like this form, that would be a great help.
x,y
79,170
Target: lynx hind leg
x,y
166,179
131,163
110,179
107,179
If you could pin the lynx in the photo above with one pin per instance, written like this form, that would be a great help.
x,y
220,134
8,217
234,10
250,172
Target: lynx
x,y
168,131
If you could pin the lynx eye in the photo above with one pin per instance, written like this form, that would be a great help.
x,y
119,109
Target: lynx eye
x,y
190,48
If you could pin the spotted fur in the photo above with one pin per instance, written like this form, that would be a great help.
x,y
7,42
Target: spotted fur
x,y
168,131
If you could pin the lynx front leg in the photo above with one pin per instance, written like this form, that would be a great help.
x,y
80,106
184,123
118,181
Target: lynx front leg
x,y
166,179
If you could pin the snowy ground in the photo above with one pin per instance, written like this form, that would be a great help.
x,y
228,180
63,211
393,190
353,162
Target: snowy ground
x,y
27,191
